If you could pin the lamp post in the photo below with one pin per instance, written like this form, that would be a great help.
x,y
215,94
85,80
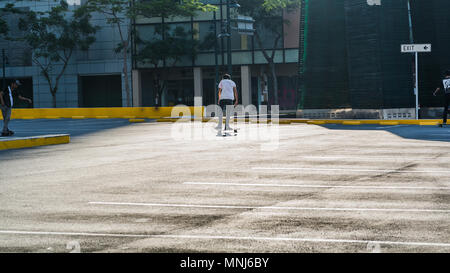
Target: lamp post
x,y
228,33
4,65
224,32
5,62
229,59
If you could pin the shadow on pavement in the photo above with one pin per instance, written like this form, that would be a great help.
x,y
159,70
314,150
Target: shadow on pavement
x,y
37,127
428,133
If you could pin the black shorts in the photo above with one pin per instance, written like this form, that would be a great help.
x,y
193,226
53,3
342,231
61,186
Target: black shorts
x,y
223,104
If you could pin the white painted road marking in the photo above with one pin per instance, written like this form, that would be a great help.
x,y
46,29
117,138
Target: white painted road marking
x,y
371,158
263,207
347,170
317,186
211,237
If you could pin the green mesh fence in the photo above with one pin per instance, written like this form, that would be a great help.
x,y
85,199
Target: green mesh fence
x,y
431,21
351,53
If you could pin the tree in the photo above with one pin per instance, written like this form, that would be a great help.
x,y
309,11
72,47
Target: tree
x,y
4,27
53,36
267,15
121,13
168,51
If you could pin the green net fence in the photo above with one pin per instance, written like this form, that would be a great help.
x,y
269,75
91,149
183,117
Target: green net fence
x,y
350,53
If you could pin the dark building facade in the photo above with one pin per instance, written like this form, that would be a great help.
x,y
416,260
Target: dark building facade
x,y
350,55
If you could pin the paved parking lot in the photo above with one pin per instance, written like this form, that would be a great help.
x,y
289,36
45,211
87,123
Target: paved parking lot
x,y
121,187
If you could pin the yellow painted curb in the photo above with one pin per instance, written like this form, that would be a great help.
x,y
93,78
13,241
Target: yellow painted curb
x,y
101,117
284,122
260,121
351,122
78,117
28,118
369,122
389,123
316,122
299,120
136,120
428,123
27,142
52,117
416,122
129,117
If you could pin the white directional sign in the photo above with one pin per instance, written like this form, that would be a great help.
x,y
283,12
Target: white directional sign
x,y
416,48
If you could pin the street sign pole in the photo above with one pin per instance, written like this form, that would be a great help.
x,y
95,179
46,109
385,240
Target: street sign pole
x,y
417,85
416,48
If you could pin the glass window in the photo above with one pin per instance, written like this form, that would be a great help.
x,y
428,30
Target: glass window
x,y
268,36
147,32
186,27
206,36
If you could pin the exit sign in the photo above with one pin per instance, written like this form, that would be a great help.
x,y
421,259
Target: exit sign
x,y
416,48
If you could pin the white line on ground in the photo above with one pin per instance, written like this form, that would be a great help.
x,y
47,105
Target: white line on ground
x,y
370,157
317,186
211,237
348,170
264,207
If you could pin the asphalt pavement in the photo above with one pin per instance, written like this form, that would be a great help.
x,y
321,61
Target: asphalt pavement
x,y
178,187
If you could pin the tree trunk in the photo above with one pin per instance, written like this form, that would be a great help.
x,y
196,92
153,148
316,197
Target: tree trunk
x,y
125,74
54,99
157,88
274,82
270,62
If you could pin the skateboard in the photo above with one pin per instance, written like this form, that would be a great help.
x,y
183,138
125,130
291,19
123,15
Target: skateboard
x,y
225,133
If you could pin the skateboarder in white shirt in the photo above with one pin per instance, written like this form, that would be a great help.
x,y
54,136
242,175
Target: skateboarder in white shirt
x,y
227,93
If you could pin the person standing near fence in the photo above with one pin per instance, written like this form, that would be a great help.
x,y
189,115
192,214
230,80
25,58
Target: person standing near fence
x,y
446,87
7,102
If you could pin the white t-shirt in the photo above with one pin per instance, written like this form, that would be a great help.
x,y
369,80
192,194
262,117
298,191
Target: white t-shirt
x,y
446,83
10,96
227,89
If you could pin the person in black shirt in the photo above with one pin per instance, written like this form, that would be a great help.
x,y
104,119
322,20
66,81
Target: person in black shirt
x,y
6,104
446,87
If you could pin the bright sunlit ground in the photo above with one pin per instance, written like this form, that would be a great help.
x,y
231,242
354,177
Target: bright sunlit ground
x,y
121,187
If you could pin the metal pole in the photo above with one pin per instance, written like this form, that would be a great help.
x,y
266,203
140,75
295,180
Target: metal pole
x,y
216,61
230,66
222,44
411,40
4,65
417,85
411,33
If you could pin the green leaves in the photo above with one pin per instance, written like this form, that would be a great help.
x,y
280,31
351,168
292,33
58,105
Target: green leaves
x,y
56,33
263,9
53,36
169,8
177,43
